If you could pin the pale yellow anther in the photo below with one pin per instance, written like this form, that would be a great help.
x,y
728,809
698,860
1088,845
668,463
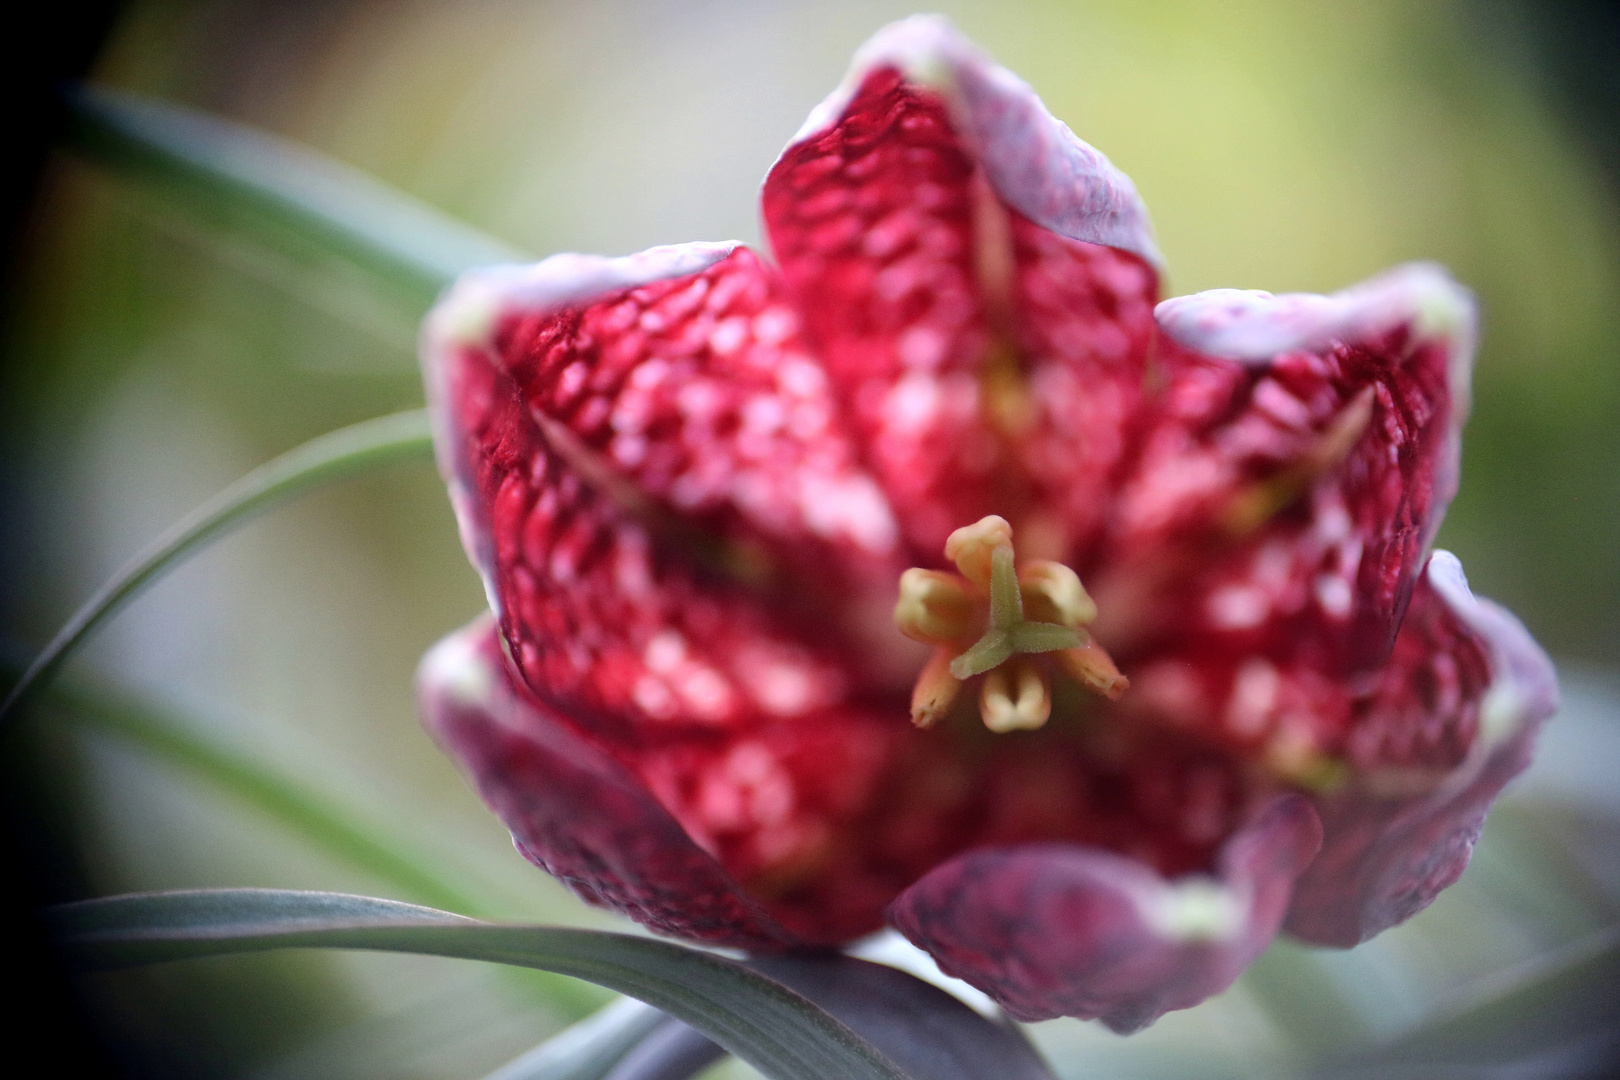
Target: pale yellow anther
x,y
935,691
1053,593
1015,700
1092,667
994,621
934,607
972,546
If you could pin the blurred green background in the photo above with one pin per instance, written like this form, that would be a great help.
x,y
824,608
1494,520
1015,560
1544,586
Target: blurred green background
x,y
154,353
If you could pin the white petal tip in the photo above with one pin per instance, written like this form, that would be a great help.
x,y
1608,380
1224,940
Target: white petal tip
x,y
1252,326
469,312
1032,160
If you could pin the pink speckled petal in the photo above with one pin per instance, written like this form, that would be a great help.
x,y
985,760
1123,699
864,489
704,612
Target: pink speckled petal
x,y
947,242
1283,502
572,809
1032,160
1058,930
646,466
1395,838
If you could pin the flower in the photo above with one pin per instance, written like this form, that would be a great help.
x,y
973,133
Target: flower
x,y
1172,666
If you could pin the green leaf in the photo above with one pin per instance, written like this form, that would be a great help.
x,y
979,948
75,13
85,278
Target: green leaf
x,y
209,164
319,820
323,460
589,1049
774,1029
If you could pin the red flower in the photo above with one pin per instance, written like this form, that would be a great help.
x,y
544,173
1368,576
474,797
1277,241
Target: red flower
x,y
693,482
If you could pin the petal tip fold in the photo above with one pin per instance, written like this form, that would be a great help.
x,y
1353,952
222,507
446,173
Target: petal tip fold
x,y
1031,159
1250,325
470,309
1053,930
1395,842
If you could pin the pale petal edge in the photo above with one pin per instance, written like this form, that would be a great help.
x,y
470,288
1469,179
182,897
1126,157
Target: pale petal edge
x,y
467,315
1051,930
1252,326
1031,159
1393,842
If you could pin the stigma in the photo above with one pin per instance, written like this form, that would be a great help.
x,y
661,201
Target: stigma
x,y
991,619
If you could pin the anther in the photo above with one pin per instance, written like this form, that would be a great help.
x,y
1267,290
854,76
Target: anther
x,y
1053,593
935,691
972,546
935,607
987,619
1018,699
1092,667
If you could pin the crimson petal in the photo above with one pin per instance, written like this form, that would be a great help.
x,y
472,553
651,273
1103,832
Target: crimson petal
x,y
1322,446
572,809
1397,835
1059,930
643,461
978,282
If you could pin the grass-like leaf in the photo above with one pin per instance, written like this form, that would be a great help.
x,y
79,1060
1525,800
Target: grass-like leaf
x,y
780,1033
589,1049
315,818
209,164
323,460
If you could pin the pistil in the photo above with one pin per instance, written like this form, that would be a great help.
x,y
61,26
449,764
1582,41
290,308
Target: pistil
x,y
986,619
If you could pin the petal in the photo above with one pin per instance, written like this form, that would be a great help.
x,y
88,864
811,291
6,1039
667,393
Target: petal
x,y
1415,717
1059,930
1401,832
646,466
572,809
943,236
1285,496
1032,160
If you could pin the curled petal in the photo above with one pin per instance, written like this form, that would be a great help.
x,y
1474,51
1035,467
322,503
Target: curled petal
x,y
1395,837
1249,325
1059,930
572,809
1283,502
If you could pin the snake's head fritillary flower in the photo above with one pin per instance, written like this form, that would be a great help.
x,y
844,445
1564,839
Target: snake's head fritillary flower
x,y
931,573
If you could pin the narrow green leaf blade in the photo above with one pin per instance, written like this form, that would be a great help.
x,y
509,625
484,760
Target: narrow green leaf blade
x,y
774,1029
323,460
589,1049
207,162
186,744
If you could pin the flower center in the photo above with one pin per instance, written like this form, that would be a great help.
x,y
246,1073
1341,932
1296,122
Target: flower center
x,y
989,619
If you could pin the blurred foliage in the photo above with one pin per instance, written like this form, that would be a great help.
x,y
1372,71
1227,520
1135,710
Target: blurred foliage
x,y
156,350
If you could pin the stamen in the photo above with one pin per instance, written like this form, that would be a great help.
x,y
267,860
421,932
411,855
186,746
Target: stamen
x,y
1038,609
935,691
971,546
1023,706
1053,593
934,608
1092,667
1009,631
